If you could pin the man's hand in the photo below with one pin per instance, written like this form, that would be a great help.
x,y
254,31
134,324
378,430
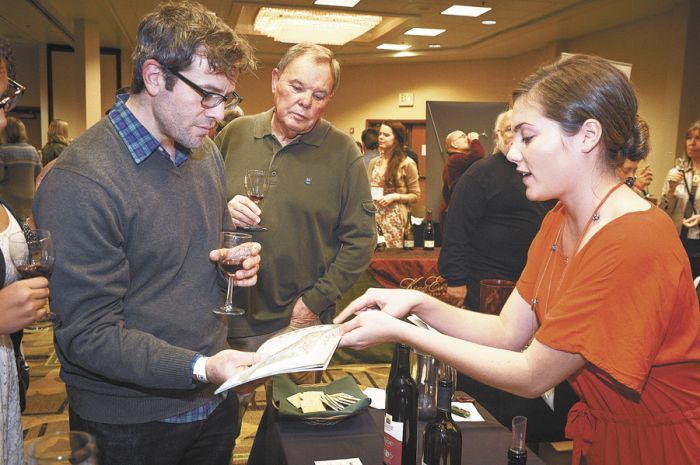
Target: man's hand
x,y
456,295
248,275
227,363
302,316
244,212
22,302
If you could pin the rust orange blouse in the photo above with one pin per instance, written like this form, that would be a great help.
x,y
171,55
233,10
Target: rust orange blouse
x,y
627,305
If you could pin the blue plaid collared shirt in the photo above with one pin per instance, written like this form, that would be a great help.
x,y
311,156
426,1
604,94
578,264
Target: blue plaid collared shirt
x,y
138,140
141,145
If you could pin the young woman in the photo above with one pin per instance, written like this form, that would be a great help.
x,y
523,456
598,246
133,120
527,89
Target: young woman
x,y
58,140
606,299
398,176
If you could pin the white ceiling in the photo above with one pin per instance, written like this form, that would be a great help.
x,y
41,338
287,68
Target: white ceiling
x,y
522,25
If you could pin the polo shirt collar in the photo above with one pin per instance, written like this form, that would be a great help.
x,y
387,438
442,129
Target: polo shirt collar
x,y
315,137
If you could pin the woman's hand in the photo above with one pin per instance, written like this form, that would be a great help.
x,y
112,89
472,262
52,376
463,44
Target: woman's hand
x,y
247,276
644,178
370,328
396,302
691,222
674,178
388,199
22,302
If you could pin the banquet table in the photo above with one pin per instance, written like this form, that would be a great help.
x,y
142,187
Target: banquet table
x,y
390,268
292,442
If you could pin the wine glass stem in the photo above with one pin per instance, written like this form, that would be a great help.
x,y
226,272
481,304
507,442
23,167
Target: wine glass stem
x,y
229,293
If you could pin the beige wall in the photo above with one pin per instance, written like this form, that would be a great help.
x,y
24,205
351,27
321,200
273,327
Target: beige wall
x,y
656,47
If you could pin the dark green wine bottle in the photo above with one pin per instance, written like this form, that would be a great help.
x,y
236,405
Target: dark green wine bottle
x,y
442,440
401,418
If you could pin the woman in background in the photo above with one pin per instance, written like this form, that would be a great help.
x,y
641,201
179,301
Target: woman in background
x,y
21,302
680,199
618,318
397,175
19,167
58,140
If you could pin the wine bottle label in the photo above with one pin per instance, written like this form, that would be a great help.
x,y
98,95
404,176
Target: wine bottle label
x,y
381,240
393,437
407,244
429,244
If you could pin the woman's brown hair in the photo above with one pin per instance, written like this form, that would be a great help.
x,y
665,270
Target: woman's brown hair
x,y
396,154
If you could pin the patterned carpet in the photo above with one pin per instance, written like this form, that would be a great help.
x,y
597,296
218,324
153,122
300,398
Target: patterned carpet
x,y
47,406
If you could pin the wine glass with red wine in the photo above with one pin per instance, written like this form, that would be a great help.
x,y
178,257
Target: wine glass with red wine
x,y
33,256
256,184
229,265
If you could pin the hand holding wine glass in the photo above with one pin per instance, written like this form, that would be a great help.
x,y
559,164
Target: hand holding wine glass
x,y
256,185
33,256
230,263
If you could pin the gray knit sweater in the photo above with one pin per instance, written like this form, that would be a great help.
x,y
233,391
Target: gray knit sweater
x,y
133,286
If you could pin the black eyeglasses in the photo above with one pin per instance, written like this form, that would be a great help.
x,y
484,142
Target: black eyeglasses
x,y
10,98
210,99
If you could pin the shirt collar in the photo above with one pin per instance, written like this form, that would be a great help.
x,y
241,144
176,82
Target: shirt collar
x,y
140,143
263,127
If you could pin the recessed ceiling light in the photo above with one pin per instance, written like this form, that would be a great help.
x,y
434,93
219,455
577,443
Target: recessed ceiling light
x,y
422,31
488,22
343,3
393,47
404,54
463,10
434,45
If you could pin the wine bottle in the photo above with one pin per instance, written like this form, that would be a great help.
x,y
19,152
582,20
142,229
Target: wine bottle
x,y
381,241
429,232
408,241
442,440
401,418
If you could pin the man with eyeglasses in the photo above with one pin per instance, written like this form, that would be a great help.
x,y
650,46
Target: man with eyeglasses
x,y
136,205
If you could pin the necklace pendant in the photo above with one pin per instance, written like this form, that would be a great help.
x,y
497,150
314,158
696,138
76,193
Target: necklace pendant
x,y
533,303
554,247
596,216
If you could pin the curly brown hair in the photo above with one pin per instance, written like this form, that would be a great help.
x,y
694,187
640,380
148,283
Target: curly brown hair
x,y
175,32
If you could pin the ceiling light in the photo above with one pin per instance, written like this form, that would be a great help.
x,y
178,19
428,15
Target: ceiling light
x,y
343,3
434,45
422,31
488,22
292,26
463,10
393,47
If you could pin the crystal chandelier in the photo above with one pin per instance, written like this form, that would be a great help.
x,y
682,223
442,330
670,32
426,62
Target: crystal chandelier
x,y
321,27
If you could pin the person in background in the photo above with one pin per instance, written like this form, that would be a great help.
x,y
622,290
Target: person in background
x,y
136,205
618,318
58,140
493,223
637,182
22,301
680,199
19,167
397,175
462,152
370,143
318,210
490,226
229,115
